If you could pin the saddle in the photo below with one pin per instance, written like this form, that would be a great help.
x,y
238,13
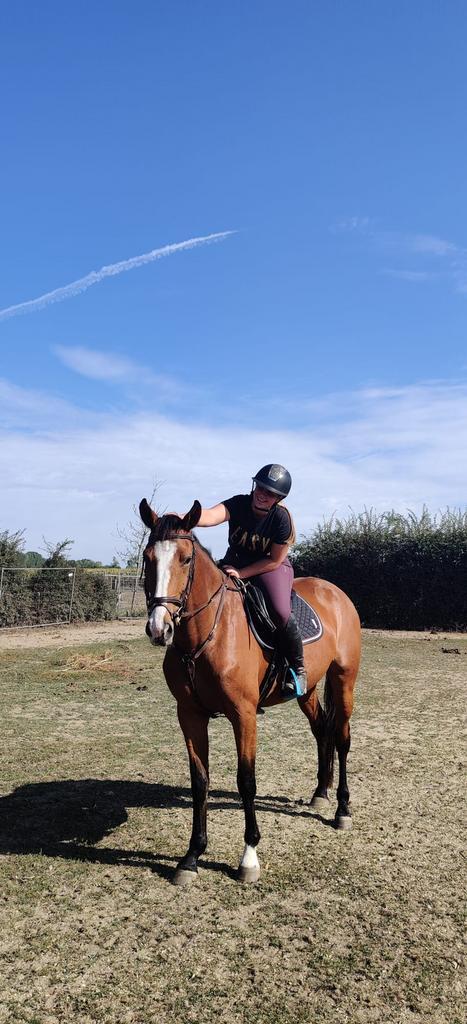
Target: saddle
x,y
264,631
262,626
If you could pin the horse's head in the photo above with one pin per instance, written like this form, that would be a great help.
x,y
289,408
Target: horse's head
x,y
169,559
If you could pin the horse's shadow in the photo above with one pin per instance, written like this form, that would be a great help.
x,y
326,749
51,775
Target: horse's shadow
x,y
68,818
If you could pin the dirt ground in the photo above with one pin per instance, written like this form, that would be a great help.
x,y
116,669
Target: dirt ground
x,y
359,927
71,636
132,629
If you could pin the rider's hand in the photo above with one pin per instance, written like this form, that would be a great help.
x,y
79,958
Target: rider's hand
x,y
229,569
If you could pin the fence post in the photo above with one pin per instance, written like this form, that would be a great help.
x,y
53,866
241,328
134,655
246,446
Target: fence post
x,y
133,599
72,594
1,581
119,593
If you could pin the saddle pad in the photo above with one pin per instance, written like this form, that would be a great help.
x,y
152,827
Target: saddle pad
x,y
308,621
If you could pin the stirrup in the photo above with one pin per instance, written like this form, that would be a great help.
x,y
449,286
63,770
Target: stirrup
x,y
293,685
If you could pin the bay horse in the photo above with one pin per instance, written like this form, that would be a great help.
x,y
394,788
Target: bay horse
x,y
213,665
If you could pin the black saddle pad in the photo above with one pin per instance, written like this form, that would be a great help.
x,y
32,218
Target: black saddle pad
x,y
308,620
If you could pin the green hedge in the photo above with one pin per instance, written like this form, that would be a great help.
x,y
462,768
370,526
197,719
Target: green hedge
x,y
29,598
401,572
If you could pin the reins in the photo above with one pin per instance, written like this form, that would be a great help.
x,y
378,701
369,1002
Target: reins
x,y
189,659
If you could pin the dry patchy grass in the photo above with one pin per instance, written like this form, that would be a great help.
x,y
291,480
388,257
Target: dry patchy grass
x,y
94,812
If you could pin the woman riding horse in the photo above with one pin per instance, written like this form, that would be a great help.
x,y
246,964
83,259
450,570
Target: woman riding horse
x,y
260,534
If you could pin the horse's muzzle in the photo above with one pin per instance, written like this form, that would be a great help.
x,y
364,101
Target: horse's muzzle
x,y
163,637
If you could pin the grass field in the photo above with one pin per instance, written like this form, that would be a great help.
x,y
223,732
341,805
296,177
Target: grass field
x,y
362,926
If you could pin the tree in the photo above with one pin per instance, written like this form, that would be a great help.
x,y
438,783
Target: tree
x,y
56,553
133,536
33,560
85,563
11,548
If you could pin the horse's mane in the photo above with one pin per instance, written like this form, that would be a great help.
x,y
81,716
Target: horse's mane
x,y
169,527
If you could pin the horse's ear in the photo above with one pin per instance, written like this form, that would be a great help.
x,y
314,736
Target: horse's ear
x,y
192,517
147,515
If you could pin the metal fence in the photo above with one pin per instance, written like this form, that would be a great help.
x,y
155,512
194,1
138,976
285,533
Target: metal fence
x,y
129,588
49,596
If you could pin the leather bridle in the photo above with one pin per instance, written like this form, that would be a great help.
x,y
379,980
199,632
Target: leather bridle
x,y
180,603
153,602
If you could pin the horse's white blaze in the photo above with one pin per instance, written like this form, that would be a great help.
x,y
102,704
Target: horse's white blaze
x,y
249,859
164,551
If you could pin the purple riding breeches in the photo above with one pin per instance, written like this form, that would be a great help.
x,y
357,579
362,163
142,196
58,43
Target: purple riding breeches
x,y
277,589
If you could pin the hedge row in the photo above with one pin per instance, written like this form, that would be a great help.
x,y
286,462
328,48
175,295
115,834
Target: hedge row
x,y
30,598
401,572
56,591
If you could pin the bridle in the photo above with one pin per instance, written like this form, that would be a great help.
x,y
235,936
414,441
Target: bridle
x,y
180,613
180,603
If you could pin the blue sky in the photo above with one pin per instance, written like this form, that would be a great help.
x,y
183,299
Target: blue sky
x,y
327,331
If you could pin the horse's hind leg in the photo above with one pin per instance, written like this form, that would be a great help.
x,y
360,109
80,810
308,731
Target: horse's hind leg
x,y
245,738
194,724
339,687
317,720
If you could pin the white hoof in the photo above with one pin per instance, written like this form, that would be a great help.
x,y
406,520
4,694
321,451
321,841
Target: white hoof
x,y
343,823
184,877
248,874
249,869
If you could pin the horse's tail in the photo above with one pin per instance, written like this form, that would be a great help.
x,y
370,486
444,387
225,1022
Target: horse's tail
x,y
329,727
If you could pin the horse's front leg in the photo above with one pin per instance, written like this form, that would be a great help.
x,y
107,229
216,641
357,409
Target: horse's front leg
x,y
244,726
194,724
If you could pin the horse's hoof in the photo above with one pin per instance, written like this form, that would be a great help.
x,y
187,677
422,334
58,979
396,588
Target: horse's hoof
x,y
320,803
184,877
249,874
343,823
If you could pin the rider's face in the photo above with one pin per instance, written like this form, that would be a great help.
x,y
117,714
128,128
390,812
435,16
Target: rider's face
x,y
262,500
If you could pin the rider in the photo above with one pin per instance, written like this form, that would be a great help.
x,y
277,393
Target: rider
x,y
260,534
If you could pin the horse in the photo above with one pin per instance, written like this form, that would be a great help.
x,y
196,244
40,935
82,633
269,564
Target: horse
x,y
213,665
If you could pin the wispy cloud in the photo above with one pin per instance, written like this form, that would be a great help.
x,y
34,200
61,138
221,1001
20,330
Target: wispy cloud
x,y
68,291
436,257
35,411
432,245
414,276
95,364
358,224
113,368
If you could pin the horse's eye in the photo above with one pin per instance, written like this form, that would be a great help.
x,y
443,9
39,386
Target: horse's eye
x,y
186,561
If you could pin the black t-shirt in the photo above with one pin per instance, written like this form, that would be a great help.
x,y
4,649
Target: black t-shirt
x,y
251,536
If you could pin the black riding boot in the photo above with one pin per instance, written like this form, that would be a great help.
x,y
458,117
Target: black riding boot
x,y
290,645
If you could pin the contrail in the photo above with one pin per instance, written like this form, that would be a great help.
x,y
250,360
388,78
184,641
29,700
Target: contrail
x,y
69,290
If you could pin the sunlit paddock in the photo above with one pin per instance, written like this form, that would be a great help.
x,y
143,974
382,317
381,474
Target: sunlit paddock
x,y
95,807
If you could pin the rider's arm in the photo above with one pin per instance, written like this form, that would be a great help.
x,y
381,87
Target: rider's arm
x,y
278,555
213,516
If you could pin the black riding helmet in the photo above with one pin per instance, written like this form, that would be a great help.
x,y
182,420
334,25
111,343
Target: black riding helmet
x,y
274,478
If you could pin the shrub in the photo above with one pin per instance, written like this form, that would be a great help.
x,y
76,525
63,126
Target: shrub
x,y
93,598
14,590
401,572
29,596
